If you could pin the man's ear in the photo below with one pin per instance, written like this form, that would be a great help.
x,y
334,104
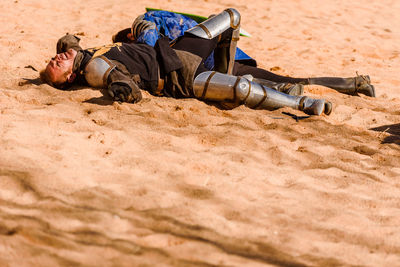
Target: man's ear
x,y
71,77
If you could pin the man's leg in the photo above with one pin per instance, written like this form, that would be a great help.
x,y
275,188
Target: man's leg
x,y
284,84
241,69
195,45
215,86
287,88
225,25
351,86
204,38
199,46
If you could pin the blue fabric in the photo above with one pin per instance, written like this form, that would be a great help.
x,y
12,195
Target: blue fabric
x,y
174,25
167,23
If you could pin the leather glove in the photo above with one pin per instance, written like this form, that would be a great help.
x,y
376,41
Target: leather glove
x,y
123,93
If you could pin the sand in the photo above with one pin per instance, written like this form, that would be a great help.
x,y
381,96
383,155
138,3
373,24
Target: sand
x,y
166,182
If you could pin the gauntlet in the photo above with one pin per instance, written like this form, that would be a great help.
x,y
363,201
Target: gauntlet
x,y
122,92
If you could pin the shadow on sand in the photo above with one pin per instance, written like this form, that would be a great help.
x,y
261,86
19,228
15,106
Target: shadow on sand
x,y
27,81
393,130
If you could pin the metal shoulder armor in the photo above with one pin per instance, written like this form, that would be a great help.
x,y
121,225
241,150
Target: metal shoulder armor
x,y
97,70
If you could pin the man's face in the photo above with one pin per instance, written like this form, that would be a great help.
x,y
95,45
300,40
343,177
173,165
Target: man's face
x,y
60,66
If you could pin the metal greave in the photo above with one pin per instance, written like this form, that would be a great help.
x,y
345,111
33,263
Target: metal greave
x,y
215,26
219,87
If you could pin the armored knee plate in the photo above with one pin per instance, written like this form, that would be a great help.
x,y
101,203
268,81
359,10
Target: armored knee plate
x,y
221,87
97,70
216,25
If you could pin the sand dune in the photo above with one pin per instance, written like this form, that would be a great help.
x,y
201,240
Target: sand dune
x,y
166,182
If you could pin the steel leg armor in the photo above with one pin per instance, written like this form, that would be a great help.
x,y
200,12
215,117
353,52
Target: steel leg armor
x,y
216,25
221,87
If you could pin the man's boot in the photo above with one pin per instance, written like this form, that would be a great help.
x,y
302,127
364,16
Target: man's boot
x,y
215,86
350,86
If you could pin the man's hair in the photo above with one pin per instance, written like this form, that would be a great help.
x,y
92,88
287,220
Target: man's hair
x,y
45,77
122,36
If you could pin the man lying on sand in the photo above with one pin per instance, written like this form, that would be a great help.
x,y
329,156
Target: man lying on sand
x,y
176,69
150,26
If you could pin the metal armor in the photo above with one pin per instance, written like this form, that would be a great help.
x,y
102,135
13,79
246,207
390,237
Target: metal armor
x,y
221,87
97,70
214,26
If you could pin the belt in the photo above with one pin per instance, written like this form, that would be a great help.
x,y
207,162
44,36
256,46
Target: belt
x,y
160,85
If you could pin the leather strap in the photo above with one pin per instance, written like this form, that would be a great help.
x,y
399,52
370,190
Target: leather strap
x,y
301,103
160,86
